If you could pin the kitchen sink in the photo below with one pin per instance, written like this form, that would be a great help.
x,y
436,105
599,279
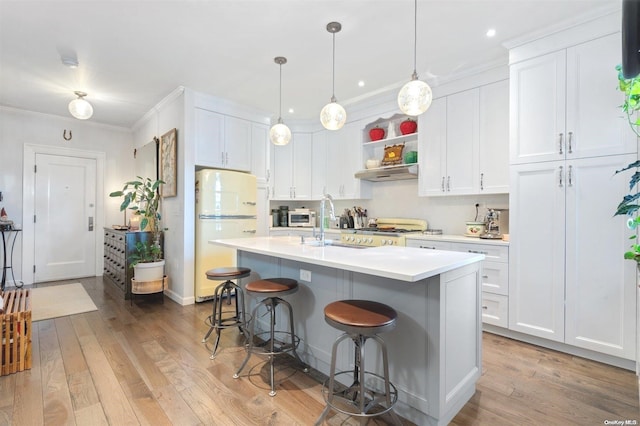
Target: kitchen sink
x,y
333,243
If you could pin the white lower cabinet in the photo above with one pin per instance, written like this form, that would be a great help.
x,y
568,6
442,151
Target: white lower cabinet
x,y
495,309
568,279
495,275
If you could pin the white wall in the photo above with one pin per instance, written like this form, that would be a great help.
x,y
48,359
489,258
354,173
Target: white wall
x,y
19,127
169,114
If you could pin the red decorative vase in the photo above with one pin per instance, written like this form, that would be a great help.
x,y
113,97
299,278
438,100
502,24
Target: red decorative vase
x,y
376,134
408,126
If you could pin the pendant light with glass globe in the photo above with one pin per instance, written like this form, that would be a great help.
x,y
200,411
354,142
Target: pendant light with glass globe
x,y
333,116
280,134
415,97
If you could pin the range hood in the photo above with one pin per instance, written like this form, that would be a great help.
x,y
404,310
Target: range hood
x,y
381,174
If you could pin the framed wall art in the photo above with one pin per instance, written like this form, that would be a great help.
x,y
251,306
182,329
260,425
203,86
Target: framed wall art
x,y
169,164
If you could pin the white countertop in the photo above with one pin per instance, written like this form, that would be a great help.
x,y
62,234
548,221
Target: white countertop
x,y
398,263
456,239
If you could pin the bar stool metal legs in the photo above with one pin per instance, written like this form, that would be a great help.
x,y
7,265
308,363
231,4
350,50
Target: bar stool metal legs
x,y
217,320
272,342
360,321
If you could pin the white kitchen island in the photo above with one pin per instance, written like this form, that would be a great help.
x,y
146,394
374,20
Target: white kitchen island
x,y
435,349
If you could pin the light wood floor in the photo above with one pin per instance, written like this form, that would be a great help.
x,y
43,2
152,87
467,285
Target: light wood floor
x,y
145,364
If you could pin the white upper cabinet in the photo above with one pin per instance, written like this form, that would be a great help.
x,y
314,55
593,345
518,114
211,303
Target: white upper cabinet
x,y
260,160
222,141
448,146
291,171
593,108
463,147
319,170
494,138
562,105
537,109
432,153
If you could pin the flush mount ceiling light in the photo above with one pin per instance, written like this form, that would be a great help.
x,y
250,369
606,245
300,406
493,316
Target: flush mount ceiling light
x,y
69,61
280,134
415,96
333,115
80,108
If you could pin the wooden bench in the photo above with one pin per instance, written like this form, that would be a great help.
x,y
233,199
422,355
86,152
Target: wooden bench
x,y
15,331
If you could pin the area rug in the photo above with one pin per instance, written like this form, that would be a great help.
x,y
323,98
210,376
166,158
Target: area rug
x,y
59,301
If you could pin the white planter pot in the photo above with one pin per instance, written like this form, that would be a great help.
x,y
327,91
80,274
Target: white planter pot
x,y
149,271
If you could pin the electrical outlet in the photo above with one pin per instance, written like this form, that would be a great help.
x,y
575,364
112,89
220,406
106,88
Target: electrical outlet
x,y
305,275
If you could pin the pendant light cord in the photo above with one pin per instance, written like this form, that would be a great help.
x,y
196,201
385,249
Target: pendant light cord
x,y
280,107
333,71
415,39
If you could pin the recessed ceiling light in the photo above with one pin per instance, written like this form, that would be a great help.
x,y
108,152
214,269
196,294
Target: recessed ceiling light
x,y
361,83
491,32
291,111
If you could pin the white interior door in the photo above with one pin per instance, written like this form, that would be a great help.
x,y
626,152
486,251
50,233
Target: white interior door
x,y
64,228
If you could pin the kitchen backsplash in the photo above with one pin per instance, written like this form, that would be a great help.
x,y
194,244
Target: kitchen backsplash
x,y
399,199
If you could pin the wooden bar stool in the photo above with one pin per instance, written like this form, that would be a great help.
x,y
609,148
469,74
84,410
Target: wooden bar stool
x,y
217,321
271,346
360,320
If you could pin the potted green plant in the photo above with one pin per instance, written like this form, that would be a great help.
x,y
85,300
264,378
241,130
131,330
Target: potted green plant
x,y
629,205
143,197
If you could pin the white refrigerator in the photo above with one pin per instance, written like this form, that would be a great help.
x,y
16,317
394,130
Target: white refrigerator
x,y
225,208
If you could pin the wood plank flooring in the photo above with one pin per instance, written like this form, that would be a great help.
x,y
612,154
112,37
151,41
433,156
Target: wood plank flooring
x,y
145,365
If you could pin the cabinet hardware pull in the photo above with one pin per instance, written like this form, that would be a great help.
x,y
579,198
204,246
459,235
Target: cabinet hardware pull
x,y
442,183
560,136
427,247
485,276
485,307
448,183
478,251
249,203
560,184
569,149
268,174
90,223
481,181
570,177
226,158
250,231
221,157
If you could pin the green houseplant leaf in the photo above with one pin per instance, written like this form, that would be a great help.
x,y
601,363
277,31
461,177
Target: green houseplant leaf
x,y
629,205
142,196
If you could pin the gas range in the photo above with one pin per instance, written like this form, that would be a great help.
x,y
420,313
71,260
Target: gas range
x,y
389,232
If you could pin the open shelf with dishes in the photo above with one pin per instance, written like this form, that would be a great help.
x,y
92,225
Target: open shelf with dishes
x,y
387,153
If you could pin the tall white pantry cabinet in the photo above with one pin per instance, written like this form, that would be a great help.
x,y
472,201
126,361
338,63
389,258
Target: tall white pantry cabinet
x,y
568,280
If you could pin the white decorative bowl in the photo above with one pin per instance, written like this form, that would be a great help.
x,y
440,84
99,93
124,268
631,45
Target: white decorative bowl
x,y
475,229
372,164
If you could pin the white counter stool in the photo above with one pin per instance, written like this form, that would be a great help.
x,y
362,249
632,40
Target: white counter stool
x,y
218,321
360,320
271,346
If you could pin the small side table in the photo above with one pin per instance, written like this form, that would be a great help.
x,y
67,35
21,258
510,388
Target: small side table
x,y
9,237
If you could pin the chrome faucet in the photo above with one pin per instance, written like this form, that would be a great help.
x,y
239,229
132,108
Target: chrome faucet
x,y
332,215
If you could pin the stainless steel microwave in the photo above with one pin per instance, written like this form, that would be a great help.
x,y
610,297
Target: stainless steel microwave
x,y
302,218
